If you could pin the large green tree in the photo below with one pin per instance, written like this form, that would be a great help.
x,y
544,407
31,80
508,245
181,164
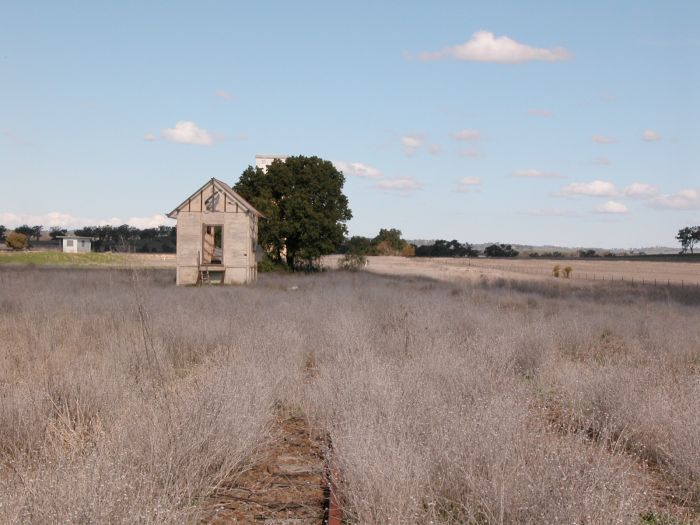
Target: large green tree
x,y
305,209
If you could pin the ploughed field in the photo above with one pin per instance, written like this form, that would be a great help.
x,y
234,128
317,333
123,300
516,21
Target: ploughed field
x,y
124,399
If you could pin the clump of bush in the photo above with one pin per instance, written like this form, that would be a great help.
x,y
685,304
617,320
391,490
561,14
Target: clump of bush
x,y
16,241
556,270
352,262
567,271
408,251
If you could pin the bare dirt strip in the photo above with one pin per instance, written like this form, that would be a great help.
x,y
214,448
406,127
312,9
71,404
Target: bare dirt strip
x,y
287,485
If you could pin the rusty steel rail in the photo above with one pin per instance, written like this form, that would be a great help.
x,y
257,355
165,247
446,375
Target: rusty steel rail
x,y
333,514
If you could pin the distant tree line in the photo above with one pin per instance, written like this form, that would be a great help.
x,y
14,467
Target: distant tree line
x,y
500,250
443,248
122,238
127,238
389,242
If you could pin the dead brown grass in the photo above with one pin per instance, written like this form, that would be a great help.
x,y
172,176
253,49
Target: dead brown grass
x,y
582,270
125,399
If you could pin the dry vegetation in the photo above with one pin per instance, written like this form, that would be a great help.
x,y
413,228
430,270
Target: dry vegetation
x,y
124,399
583,270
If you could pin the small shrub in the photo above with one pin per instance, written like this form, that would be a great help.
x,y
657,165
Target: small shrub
x,y
567,271
408,251
308,265
16,241
384,248
352,262
556,270
268,265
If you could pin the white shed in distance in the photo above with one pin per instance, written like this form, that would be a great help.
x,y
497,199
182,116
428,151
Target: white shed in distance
x,y
263,161
76,244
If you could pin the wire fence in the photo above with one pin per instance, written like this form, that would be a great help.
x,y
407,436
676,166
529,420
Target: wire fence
x,y
600,276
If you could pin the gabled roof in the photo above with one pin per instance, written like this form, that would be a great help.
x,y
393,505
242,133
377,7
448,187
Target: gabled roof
x,y
227,190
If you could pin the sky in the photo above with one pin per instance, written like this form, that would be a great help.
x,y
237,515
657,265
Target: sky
x,y
561,123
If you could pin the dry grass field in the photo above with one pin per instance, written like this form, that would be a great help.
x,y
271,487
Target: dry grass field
x,y
124,399
452,269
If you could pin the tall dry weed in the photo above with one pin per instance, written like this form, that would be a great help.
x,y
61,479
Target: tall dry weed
x,y
125,399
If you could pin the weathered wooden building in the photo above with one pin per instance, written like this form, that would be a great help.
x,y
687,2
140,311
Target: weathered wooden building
x,y
217,235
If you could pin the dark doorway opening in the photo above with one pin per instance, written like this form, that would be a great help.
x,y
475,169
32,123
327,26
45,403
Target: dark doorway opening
x,y
213,244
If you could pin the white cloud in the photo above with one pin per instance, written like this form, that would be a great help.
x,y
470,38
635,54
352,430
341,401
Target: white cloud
x,y
149,137
47,219
650,135
602,139
612,207
223,94
411,143
470,153
358,169
639,190
596,188
602,161
66,220
399,184
484,46
466,184
150,222
435,149
539,112
536,174
187,132
466,135
608,97
685,199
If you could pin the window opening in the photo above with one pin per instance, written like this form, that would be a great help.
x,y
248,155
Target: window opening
x,y
213,201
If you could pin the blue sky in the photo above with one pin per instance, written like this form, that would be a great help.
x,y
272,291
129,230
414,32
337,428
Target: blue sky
x,y
537,123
